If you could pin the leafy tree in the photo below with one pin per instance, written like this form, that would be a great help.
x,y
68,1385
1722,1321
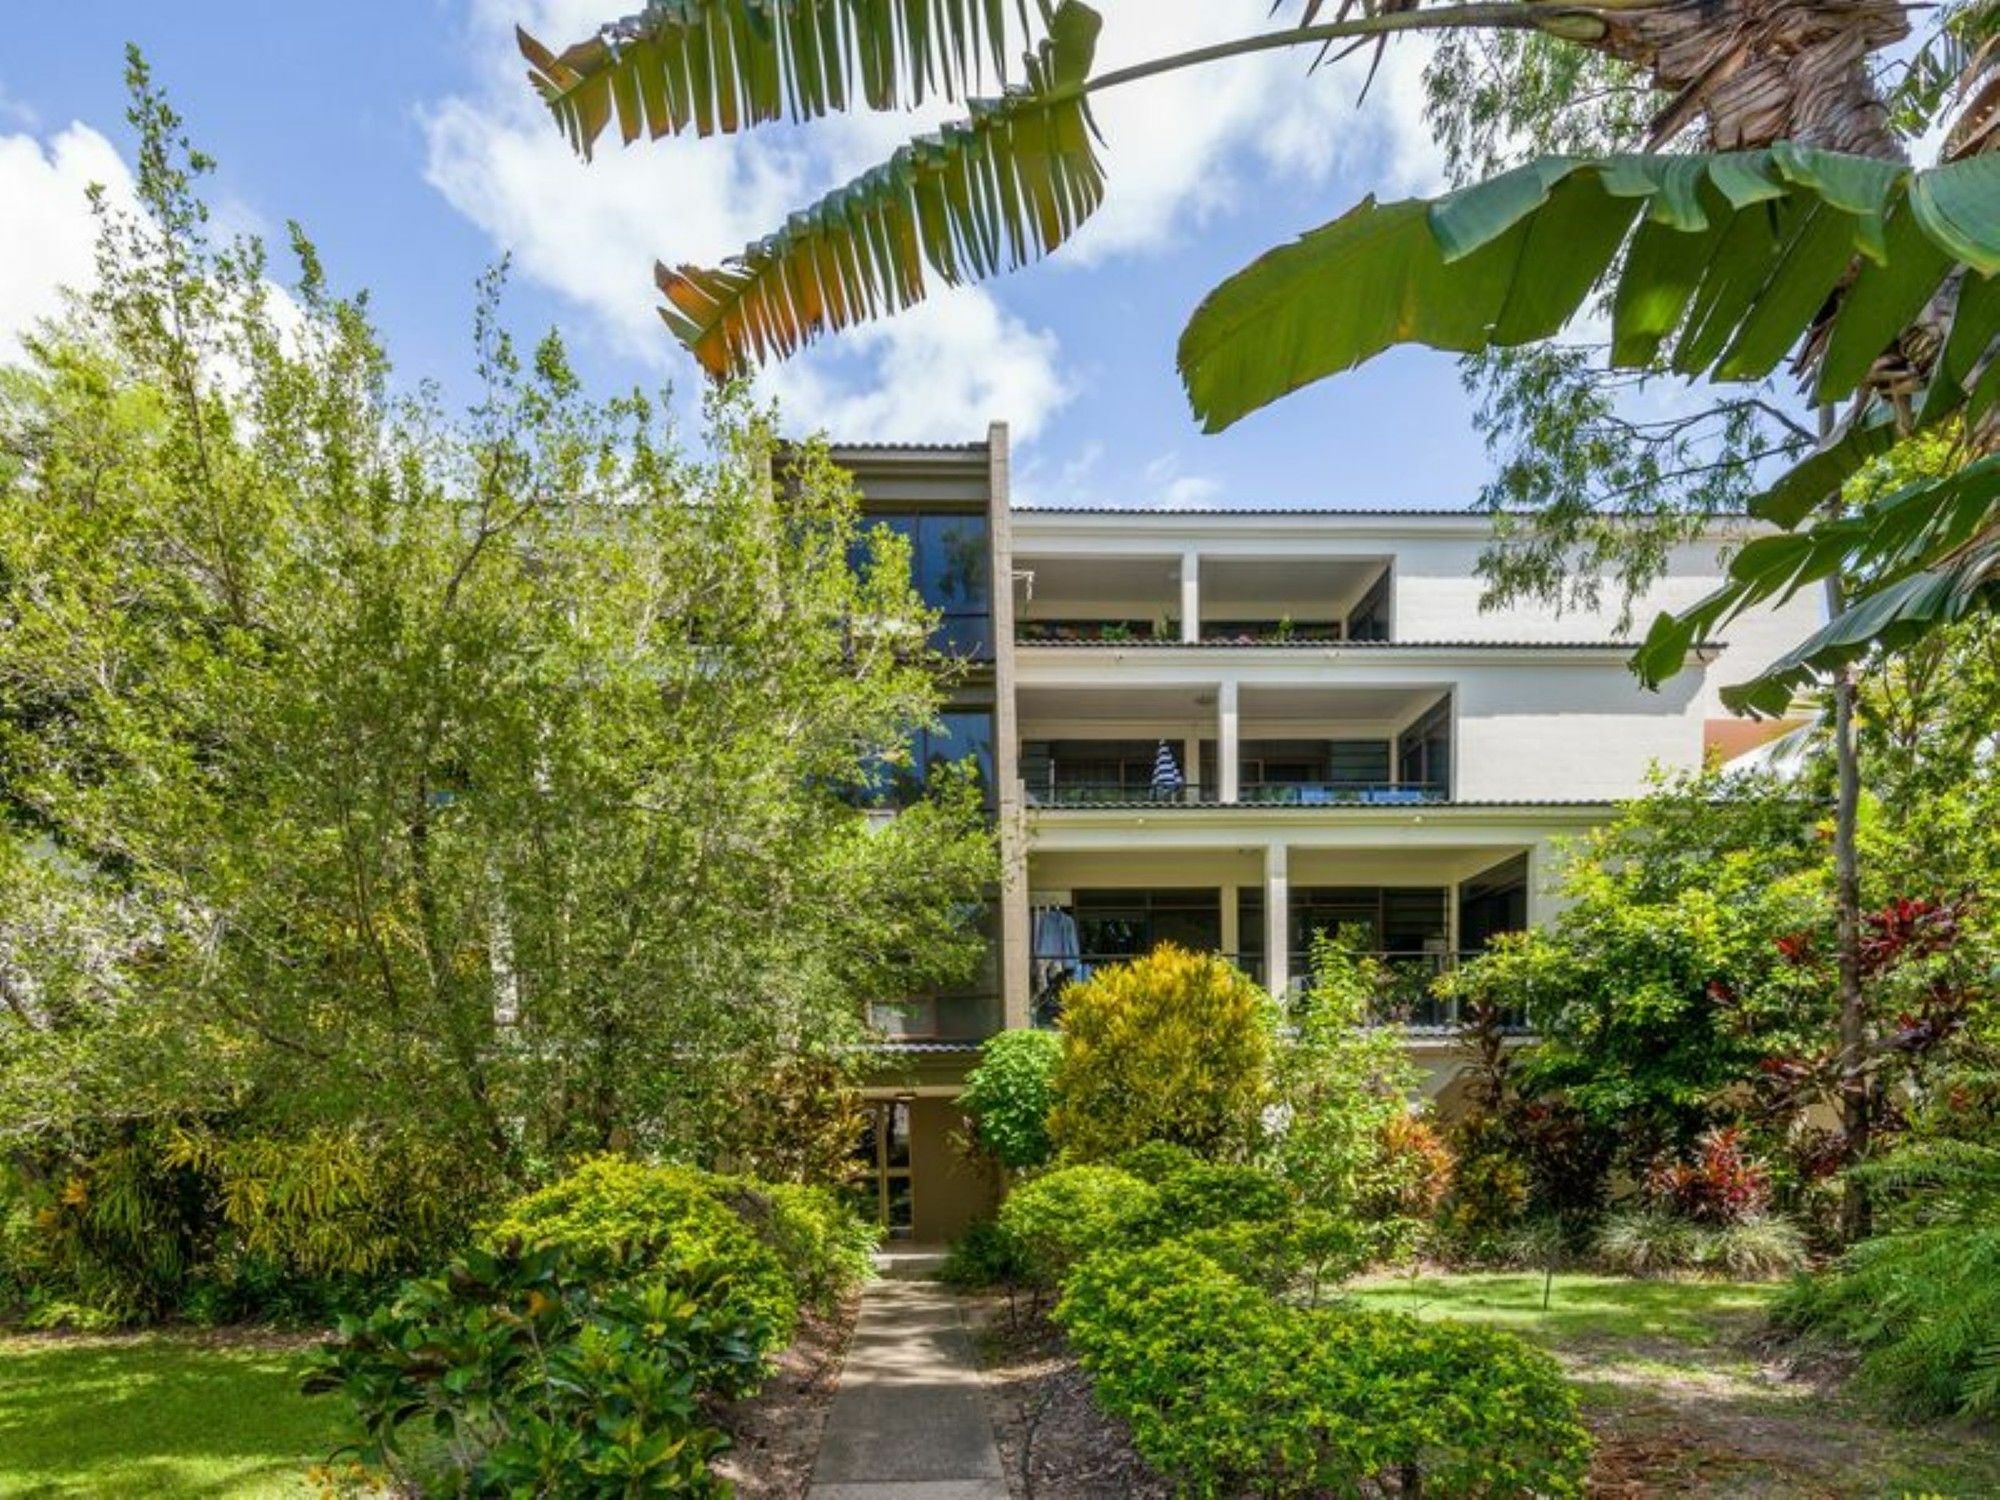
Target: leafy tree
x,y
1009,1096
1340,1084
1174,1046
364,765
1660,987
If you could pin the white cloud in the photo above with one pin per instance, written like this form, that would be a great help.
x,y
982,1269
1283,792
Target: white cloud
x,y
1179,149
1183,146
47,235
938,373
1168,488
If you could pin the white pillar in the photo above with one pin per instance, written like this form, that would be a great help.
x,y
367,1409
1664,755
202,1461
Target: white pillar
x,y
1190,596
1225,713
1277,920
1232,937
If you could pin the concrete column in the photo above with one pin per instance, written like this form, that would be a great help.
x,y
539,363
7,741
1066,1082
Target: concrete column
x,y
1190,596
1191,765
1277,920
1225,739
1232,937
1015,959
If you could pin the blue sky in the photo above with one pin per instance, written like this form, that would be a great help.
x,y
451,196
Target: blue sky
x,y
405,138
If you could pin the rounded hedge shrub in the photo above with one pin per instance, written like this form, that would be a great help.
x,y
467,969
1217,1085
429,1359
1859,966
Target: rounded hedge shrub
x,y
1303,1255
823,1244
1174,1046
652,1218
1155,1161
1227,1390
1206,1195
1064,1216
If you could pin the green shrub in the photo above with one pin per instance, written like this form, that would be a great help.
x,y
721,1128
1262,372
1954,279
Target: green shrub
x,y
824,1245
1920,1302
645,1216
1155,1161
574,1369
1647,1242
1341,1082
1174,1046
984,1256
1010,1093
1302,1256
1207,1195
1060,1218
1227,1390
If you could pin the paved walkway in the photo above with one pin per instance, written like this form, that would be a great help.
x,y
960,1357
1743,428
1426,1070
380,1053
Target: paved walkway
x,y
909,1421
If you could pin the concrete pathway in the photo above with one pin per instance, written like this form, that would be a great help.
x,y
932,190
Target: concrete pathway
x,y
909,1421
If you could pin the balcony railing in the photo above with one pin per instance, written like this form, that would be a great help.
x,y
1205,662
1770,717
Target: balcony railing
x,y
1407,997
1057,790
1333,793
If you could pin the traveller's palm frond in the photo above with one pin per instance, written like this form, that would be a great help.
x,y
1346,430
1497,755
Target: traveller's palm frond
x,y
722,66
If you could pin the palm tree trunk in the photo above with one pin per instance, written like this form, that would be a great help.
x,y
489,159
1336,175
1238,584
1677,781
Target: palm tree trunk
x,y
1758,71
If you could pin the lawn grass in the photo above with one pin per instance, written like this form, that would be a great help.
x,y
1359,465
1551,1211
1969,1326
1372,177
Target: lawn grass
x,y
1578,1306
1684,1397
163,1414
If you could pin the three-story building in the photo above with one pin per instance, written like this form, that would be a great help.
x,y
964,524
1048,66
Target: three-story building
x,y
1233,729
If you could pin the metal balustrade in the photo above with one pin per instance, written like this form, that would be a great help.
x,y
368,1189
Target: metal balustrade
x,y
1056,790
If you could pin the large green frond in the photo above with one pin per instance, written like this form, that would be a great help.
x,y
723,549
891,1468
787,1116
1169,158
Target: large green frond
x,y
1718,265
1921,557
726,65
996,191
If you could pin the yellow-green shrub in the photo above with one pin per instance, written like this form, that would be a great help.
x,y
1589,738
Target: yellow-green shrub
x,y
644,1216
1059,1218
1174,1046
1228,1391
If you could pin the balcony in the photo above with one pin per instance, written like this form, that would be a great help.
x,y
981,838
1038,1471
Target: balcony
x,y
1187,599
1057,789
1194,746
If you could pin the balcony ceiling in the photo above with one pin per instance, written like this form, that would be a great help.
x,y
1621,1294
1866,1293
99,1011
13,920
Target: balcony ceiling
x,y
1063,584
1245,588
1231,588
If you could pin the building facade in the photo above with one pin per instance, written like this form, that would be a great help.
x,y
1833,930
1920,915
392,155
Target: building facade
x,y
1235,729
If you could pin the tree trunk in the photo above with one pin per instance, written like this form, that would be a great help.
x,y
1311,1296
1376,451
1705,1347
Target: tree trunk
x,y
1856,1101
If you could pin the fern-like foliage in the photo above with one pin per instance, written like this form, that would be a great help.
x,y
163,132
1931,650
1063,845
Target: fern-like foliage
x,y
1921,1302
996,191
726,65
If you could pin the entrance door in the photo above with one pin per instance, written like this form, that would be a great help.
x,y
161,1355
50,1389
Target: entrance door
x,y
882,1158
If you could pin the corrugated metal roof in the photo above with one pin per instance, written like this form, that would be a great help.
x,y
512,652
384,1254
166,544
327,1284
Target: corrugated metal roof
x,y
922,1048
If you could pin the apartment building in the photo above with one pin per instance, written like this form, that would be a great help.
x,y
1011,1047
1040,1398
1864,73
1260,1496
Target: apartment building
x,y
1235,728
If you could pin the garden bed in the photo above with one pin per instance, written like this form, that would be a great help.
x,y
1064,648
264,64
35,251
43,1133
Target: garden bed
x,y
1054,1441
775,1434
